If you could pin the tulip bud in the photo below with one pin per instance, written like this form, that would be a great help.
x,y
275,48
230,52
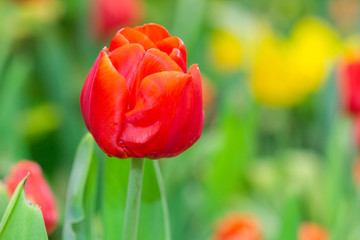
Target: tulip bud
x,y
312,231
37,190
238,227
139,100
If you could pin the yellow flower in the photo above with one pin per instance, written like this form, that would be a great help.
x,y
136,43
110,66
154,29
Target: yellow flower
x,y
226,50
286,71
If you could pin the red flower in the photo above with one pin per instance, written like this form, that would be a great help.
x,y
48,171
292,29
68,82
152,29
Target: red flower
x,y
37,190
108,15
350,86
138,99
238,227
312,231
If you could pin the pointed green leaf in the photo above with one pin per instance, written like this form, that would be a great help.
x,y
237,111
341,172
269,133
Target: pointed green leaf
x,y
81,196
22,219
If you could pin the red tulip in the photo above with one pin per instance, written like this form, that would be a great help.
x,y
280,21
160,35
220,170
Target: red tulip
x,y
312,231
138,99
238,227
350,86
108,15
37,190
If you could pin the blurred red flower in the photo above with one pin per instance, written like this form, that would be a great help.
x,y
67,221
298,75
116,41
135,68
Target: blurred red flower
x,y
37,190
349,81
108,15
138,99
238,227
312,231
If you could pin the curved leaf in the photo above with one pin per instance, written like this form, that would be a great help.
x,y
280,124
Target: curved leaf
x,y
81,196
22,219
4,199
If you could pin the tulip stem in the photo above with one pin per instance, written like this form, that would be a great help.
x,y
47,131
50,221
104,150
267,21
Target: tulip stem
x,y
163,200
133,199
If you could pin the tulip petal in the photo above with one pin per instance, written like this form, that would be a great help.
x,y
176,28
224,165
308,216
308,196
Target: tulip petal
x,y
177,56
117,41
153,31
198,115
156,61
168,44
189,116
126,60
86,91
134,36
160,94
107,106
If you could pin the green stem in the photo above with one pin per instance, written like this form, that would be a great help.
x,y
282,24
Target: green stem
x,y
163,200
133,199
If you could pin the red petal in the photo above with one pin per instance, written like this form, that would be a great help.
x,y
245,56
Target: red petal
x,y
156,61
156,114
177,56
126,60
86,91
107,106
198,114
153,31
189,116
168,44
134,36
118,41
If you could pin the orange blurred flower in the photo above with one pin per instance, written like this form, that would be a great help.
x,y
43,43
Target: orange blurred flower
x,y
238,227
312,231
208,91
37,190
356,172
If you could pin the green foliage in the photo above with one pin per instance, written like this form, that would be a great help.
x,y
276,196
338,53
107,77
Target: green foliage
x,y
153,222
22,219
116,177
80,204
4,199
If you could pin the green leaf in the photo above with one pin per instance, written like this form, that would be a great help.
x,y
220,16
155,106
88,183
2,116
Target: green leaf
x,y
291,219
189,16
153,208
153,221
22,219
4,199
116,179
13,84
81,196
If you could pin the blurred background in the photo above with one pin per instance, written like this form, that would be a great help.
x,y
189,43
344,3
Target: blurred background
x,y
281,89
